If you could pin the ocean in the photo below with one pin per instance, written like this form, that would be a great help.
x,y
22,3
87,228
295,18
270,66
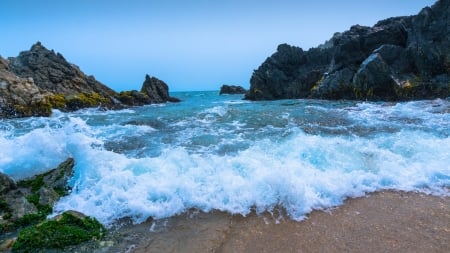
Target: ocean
x,y
212,152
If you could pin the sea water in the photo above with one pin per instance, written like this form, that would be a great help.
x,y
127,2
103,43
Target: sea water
x,y
212,152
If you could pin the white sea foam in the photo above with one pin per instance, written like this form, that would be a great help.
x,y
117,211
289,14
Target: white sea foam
x,y
304,173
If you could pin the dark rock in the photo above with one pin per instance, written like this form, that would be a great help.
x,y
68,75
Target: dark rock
x,y
157,90
374,80
232,89
153,91
336,85
397,59
289,73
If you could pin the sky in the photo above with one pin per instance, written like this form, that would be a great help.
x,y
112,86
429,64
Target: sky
x,y
191,45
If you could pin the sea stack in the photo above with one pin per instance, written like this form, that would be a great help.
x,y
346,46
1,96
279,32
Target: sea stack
x,y
157,90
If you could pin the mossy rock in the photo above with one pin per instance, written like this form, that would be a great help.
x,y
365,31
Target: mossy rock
x,y
133,98
39,194
78,101
41,108
58,101
70,228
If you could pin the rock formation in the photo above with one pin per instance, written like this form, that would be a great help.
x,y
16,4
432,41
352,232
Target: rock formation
x,y
156,90
232,89
25,205
66,86
39,80
399,58
153,91
33,197
29,201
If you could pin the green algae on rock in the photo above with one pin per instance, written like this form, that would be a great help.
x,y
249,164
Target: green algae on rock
x,y
69,228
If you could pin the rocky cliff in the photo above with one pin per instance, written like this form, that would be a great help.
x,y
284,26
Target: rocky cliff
x,y
399,58
39,80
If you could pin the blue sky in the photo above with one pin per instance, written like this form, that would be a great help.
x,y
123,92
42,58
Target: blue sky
x,y
191,45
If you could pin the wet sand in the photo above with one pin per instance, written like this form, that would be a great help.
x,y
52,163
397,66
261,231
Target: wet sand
x,y
382,222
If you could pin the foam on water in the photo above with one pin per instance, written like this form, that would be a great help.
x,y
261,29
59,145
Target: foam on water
x,y
234,157
304,173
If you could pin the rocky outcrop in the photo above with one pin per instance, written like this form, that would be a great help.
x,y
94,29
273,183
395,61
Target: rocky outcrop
x,y
397,59
157,90
25,205
232,89
66,86
31,200
39,80
153,91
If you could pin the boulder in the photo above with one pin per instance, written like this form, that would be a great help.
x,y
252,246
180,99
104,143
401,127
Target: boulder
x,y
232,89
399,58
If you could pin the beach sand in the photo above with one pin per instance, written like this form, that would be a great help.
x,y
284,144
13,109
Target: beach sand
x,y
381,222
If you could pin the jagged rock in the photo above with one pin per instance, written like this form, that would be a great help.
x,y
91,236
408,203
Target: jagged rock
x,y
232,89
374,79
289,73
153,91
157,90
397,59
67,87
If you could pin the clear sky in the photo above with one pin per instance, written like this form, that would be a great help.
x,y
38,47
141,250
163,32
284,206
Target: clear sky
x,y
191,45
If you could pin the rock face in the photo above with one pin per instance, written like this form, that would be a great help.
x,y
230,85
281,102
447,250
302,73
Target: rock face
x,y
20,97
40,79
232,89
397,59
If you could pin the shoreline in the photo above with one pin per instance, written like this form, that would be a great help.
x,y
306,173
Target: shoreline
x,y
386,221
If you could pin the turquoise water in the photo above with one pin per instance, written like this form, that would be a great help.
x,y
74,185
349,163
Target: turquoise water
x,y
214,152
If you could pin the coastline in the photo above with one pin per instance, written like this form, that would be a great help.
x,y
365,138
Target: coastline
x,y
386,221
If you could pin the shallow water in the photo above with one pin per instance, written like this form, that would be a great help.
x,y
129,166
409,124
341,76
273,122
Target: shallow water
x,y
213,152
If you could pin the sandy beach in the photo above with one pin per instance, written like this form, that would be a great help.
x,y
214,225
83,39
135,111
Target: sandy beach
x,y
381,222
